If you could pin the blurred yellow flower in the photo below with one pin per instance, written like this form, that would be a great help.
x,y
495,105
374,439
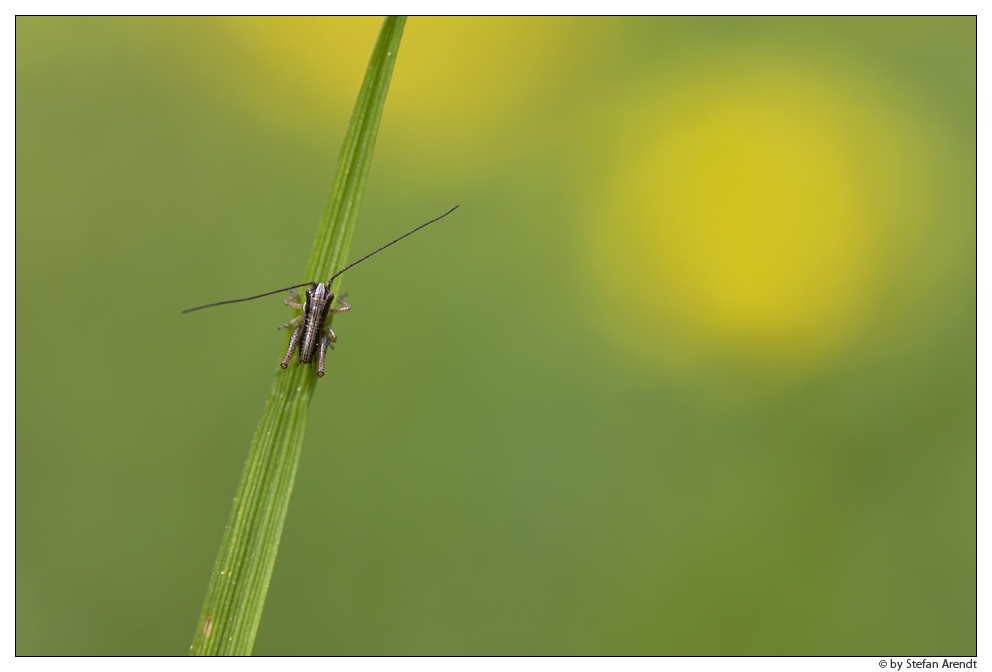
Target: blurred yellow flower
x,y
456,80
753,219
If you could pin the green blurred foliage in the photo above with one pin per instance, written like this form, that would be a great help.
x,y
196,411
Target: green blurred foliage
x,y
491,467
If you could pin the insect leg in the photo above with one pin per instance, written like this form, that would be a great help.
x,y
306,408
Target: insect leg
x,y
294,340
347,306
295,320
289,301
323,353
330,332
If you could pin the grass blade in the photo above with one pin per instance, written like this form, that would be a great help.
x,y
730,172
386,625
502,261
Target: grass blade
x,y
236,595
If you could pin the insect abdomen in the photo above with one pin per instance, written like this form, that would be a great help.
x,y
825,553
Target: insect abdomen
x,y
313,325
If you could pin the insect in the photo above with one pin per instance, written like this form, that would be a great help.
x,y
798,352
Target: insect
x,y
312,334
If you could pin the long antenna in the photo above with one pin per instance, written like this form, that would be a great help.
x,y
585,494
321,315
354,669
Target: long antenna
x,y
302,284
221,303
388,244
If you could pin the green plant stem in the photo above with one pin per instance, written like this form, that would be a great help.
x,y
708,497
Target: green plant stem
x,y
235,598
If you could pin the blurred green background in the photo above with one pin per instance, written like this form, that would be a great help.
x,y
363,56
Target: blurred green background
x,y
691,371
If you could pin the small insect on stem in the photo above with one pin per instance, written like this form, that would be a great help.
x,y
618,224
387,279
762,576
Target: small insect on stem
x,y
312,335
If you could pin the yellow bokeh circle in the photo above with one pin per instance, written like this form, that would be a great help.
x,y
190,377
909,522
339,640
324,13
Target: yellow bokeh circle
x,y
460,84
748,216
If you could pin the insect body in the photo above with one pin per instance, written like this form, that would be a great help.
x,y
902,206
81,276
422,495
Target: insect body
x,y
314,329
312,333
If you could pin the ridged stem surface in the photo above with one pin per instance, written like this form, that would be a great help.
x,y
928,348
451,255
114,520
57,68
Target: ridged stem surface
x,y
235,598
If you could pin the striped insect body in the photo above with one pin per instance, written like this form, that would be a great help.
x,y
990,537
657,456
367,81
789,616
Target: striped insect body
x,y
312,334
